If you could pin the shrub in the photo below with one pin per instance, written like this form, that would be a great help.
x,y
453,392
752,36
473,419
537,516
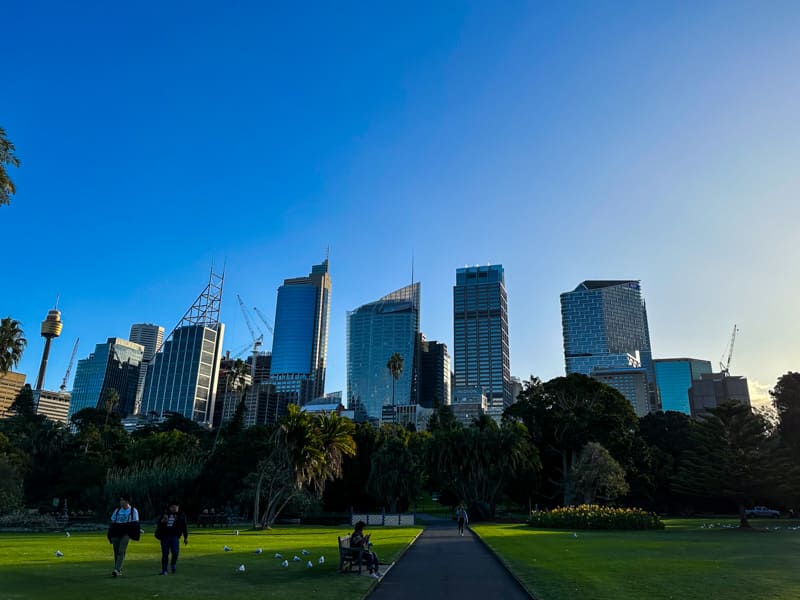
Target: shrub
x,y
592,516
28,519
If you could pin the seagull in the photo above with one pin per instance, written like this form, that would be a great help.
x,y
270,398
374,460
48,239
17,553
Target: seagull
x,y
575,535
296,558
305,552
285,563
278,555
259,550
321,560
235,532
66,533
309,565
59,554
226,548
241,568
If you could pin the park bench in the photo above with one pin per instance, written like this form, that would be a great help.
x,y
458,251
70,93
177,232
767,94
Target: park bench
x,y
349,557
216,519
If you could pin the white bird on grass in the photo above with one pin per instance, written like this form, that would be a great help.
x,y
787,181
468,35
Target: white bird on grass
x,y
235,532
226,548
278,555
59,554
285,563
66,533
259,550
304,552
575,535
241,568
321,560
309,565
295,558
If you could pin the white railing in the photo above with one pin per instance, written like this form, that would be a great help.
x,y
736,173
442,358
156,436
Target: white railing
x,y
392,519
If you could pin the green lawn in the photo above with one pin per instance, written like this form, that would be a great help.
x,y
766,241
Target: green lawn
x,y
29,568
685,561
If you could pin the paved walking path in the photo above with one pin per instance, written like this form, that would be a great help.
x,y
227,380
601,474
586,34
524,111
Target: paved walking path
x,y
442,564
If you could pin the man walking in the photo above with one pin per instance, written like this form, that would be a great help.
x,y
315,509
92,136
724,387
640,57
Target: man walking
x,y
171,526
463,519
124,527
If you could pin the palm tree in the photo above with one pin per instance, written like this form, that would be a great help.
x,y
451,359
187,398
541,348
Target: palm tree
x,y
12,340
110,402
395,366
7,188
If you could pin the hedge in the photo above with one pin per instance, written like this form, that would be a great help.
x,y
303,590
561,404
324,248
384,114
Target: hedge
x,y
592,516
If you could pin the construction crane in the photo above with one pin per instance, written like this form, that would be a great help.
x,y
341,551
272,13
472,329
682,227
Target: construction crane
x,y
257,339
63,387
264,320
725,363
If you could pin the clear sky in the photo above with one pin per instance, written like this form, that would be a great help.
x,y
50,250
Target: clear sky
x,y
653,141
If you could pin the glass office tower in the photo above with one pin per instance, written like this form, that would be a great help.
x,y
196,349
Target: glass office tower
x,y
113,365
480,335
300,341
151,337
183,377
375,331
606,336
674,377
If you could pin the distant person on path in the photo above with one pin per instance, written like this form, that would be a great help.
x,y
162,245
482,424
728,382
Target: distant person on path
x,y
171,527
462,518
359,540
124,527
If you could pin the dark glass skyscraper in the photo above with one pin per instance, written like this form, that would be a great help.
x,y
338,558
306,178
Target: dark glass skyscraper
x,y
300,341
113,365
375,331
674,377
606,336
480,335
434,373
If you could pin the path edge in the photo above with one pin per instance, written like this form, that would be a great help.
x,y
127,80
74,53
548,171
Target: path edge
x,y
504,563
376,582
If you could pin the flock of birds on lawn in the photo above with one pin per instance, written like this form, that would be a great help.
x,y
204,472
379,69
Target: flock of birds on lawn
x,y
242,568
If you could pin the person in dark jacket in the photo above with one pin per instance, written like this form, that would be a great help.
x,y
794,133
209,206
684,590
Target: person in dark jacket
x,y
171,527
359,540
124,527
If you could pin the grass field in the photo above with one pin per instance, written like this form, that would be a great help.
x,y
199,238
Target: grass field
x,y
30,570
686,561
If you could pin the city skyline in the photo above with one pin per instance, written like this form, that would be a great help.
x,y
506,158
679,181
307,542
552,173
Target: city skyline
x,y
646,143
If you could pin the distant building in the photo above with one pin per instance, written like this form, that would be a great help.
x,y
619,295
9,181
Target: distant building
x,y
480,333
229,394
150,337
713,389
434,373
516,388
674,377
469,403
53,405
606,334
11,385
113,365
300,340
375,331
329,403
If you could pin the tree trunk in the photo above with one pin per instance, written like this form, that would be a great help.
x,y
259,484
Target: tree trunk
x,y
743,522
257,501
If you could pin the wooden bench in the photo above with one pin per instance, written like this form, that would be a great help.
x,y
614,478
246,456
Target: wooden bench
x,y
349,557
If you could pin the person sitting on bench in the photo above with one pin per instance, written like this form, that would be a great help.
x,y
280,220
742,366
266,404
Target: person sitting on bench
x,y
359,540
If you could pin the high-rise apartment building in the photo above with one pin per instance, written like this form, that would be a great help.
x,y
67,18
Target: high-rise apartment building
x,y
182,377
375,332
480,333
11,385
713,389
674,377
300,340
150,337
606,336
113,365
434,373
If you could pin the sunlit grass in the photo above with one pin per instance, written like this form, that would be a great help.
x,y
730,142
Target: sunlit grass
x,y
30,570
686,561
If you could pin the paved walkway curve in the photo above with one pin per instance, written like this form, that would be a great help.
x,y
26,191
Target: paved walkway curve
x,y
442,564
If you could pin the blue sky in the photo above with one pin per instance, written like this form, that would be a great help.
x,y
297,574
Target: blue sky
x,y
581,141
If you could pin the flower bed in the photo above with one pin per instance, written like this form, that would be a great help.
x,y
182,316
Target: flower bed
x,y
592,516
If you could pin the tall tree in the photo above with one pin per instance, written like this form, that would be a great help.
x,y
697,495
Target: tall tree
x,y
786,396
110,402
596,473
12,341
395,366
736,459
7,157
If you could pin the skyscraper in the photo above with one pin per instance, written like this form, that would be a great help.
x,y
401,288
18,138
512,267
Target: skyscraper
x,y
300,340
480,336
182,377
434,373
606,336
674,377
376,331
151,337
113,365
